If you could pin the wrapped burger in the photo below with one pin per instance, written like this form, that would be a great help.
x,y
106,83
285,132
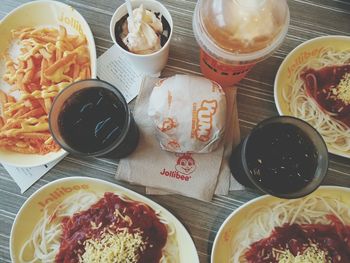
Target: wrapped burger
x,y
188,113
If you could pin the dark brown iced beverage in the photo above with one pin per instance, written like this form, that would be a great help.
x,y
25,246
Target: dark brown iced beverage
x,y
92,118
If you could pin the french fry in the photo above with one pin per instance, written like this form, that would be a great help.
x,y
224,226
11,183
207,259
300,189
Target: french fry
x,y
42,104
58,54
3,98
20,113
45,53
50,60
44,39
19,82
29,72
37,135
3,101
48,104
60,63
44,64
36,77
27,150
35,113
76,71
33,103
9,125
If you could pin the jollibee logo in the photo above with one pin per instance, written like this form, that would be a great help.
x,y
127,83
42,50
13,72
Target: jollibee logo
x,y
72,22
302,59
59,192
185,165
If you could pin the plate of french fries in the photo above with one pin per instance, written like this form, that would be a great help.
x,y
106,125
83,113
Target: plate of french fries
x,y
45,46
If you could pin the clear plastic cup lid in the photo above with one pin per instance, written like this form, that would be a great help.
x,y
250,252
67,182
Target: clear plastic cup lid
x,y
244,26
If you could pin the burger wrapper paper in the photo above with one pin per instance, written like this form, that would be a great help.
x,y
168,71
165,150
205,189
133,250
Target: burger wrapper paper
x,y
199,126
192,175
225,182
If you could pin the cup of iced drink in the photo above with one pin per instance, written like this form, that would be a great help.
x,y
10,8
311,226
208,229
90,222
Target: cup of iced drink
x,y
91,118
236,34
283,156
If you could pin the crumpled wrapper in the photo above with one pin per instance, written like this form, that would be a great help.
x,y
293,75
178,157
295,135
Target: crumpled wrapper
x,y
188,113
189,174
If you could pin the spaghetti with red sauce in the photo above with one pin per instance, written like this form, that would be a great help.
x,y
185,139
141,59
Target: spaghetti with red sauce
x,y
89,224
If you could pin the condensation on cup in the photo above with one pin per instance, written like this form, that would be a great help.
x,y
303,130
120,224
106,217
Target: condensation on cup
x,y
236,34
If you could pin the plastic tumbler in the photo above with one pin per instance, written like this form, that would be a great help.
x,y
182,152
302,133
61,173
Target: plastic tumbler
x,y
282,156
236,34
92,118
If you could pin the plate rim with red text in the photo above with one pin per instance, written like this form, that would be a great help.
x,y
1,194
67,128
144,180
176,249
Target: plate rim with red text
x,y
232,222
187,249
280,102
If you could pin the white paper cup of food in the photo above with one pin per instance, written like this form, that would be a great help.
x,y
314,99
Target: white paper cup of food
x,y
148,63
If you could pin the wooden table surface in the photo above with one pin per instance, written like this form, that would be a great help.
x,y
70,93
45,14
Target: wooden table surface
x,y
309,19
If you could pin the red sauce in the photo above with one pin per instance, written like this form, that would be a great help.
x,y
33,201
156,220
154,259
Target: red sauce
x,y
333,238
76,229
319,84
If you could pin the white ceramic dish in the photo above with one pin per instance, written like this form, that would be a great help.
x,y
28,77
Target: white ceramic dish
x,y
31,212
298,58
41,13
222,247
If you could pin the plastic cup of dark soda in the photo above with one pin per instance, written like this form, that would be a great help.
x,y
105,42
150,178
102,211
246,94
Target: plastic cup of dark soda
x,y
92,118
282,156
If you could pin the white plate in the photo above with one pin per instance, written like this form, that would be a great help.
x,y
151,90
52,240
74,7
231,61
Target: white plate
x,y
296,59
222,247
41,13
31,212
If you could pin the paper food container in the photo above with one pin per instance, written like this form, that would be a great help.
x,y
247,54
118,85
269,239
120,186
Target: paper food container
x,y
40,14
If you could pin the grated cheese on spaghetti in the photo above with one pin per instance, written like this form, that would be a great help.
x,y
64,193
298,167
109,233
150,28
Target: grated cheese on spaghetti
x,y
343,89
120,247
311,255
